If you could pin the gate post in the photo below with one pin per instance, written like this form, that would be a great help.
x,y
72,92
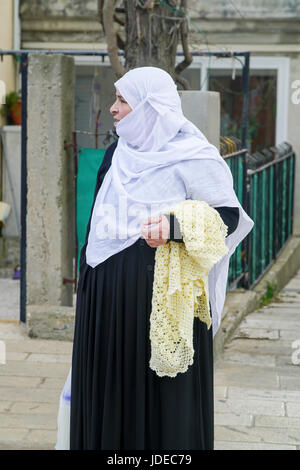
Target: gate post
x,y
50,194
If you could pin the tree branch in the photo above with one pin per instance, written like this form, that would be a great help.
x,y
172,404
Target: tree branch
x,y
108,10
119,20
182,81
120,42
188,58
100,11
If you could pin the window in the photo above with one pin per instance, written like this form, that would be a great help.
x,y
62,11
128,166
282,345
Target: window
x,y
261,100
94,92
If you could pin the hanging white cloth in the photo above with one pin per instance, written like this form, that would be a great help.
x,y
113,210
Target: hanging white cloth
x,y
63,417
161,159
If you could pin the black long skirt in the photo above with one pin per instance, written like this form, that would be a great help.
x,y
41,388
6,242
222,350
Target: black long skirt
x,y
117,401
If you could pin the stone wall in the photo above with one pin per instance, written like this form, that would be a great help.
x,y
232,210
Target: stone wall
x,y
258,9
69,22
238,22
204,9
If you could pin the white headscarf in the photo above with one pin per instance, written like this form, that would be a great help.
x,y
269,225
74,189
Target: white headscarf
x,y
159,152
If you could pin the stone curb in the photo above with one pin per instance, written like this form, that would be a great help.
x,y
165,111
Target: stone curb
x,y
241,301
50,322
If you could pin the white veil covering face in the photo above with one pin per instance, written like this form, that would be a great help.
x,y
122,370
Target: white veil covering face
x,y
159,160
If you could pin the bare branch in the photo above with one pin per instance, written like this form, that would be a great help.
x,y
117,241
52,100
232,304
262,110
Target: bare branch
x,y
119,20
120,42
146,4
111,37
100,12
188,58
182,81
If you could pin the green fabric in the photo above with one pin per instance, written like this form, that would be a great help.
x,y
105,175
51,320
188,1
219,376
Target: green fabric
x,y
89,161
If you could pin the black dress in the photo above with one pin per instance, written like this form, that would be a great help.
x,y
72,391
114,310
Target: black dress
x,y
118,402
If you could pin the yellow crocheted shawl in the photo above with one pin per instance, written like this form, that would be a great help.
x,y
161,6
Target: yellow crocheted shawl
x,y
180,288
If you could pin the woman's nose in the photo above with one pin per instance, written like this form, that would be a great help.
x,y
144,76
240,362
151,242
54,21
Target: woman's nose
x,y
113,109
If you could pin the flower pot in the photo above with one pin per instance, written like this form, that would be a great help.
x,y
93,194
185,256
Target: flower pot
x,y
16,113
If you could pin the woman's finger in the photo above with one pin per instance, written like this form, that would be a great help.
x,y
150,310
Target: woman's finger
x,y
154,232
153,220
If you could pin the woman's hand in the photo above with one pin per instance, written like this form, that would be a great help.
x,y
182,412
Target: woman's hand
x,y
159,231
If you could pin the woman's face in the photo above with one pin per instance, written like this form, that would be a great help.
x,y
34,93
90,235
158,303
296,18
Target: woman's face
x,y
120,108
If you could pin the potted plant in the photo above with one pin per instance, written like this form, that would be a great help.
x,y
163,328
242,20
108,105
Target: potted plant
x,y
12,108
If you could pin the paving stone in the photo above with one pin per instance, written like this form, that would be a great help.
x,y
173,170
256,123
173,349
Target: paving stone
x,y
5,406
277,422
289,382
258,434
290,335
250,407
24,445
33,345
256,333
250,376
229,419
43,437
35,369
12,331
220,392
10,298
273,324
260,346
287,314
251,393
223,445
290,371
15,381
293,409
55,383
35,408
12,436
30,395
50,358
16,356
28,421
287,300
250,359
293,285
285,360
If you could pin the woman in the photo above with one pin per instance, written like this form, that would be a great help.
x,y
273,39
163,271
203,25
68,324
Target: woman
x,y
117,401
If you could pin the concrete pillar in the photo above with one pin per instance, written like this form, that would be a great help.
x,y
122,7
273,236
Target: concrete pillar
x,y
50,204
293,132
203,109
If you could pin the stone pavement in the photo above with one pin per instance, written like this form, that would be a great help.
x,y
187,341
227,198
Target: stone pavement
x,y
257,379
257,382
10,299
30,385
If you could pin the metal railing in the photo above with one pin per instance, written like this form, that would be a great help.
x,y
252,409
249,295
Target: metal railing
x,y
267,194
270,203
237,164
